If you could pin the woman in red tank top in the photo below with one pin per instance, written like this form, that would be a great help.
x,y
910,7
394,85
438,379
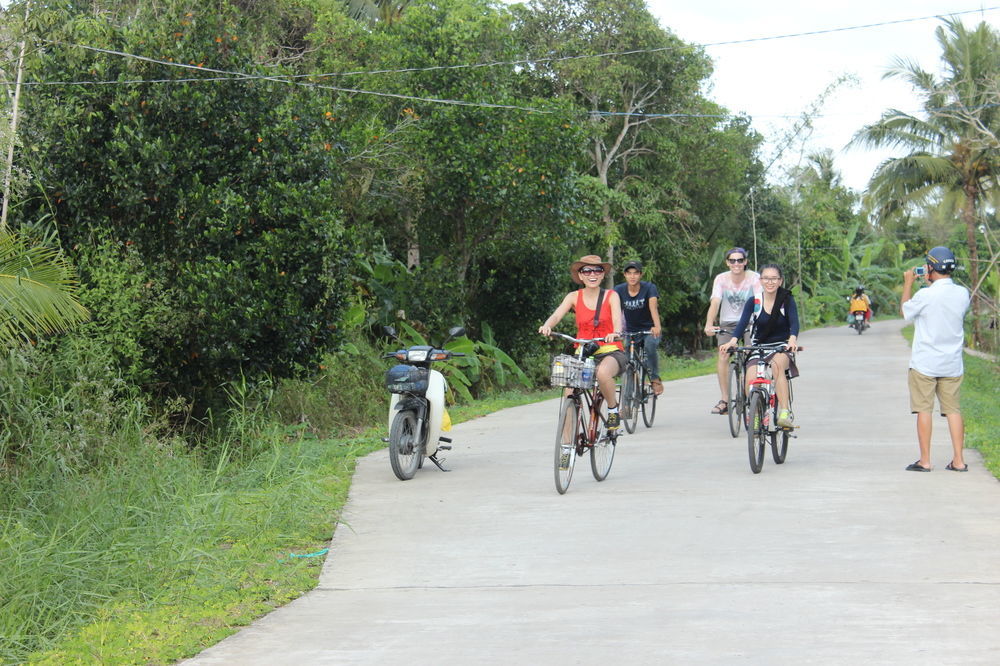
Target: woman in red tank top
x,y
589,271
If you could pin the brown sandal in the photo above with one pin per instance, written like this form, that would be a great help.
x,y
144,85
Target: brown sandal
x,y
721,407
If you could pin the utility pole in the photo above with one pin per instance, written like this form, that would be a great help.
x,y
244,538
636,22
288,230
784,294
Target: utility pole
x,y
13,124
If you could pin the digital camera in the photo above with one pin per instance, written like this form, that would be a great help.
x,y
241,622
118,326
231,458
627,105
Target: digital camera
x,y
920,270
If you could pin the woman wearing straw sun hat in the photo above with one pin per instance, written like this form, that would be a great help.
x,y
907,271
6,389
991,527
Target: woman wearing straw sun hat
x,y
598,315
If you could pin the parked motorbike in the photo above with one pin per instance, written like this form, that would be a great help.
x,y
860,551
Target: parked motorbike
x,y
416,407
858,321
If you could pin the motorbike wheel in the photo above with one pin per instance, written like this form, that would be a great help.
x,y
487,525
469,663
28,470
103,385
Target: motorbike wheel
x,y
406,451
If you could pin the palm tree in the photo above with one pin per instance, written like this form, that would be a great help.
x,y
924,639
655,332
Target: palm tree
x,y
37,287
954,153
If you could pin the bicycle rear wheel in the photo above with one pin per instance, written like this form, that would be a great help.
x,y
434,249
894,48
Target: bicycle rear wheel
x,y
648,399
602,451
779,446
735,399
756,430
629,402
567,440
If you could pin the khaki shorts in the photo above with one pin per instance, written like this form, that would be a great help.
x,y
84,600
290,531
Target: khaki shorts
x,y
923,388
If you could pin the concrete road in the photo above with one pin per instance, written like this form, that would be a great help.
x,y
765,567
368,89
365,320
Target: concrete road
x,y
681,556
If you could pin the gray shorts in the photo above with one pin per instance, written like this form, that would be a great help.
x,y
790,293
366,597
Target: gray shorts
x,y
617,355
723,338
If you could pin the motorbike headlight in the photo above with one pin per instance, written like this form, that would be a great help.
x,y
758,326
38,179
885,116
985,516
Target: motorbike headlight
x,y
416,355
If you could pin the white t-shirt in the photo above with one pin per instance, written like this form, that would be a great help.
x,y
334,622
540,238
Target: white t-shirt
x,y
937,312
732,295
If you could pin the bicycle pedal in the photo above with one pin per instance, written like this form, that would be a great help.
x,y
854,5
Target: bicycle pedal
x,y
444,447
444,439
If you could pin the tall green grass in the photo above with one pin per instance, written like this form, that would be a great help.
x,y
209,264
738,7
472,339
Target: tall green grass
x,y
121,542
980,397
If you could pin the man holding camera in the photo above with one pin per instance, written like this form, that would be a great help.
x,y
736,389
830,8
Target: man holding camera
x,y
936,357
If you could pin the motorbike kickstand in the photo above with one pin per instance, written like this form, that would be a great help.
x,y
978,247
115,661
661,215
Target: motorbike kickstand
x,y
437,462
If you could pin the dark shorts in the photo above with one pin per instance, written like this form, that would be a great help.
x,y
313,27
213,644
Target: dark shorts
x,y
618,356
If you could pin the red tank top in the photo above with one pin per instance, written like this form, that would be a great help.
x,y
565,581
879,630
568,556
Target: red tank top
x,y
585,321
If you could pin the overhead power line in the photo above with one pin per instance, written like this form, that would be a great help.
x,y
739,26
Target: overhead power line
x,y
296,79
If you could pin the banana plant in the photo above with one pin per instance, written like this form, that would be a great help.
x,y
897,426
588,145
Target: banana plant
x,y
483,362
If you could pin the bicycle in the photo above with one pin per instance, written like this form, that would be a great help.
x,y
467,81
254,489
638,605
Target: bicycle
x,y
636,393
762,412
582,417
737,388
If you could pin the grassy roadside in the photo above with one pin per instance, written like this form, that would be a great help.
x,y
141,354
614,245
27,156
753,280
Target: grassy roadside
x,y
980,396
166,555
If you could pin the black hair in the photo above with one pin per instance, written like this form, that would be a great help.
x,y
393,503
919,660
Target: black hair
x,y
776,267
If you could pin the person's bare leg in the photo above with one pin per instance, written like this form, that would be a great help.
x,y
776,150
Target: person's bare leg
x,y
778,366
956,427
722,369
606,380
924,426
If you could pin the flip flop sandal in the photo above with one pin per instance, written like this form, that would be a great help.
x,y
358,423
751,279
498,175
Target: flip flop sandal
x,y
956,469
721,407
657,386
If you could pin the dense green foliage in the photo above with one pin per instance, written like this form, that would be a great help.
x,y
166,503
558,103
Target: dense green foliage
x,y
206,203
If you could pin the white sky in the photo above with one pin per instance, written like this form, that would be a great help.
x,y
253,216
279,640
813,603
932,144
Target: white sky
x,y
772,79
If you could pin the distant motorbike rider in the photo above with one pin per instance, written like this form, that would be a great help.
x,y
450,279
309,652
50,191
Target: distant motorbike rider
x,y
860,303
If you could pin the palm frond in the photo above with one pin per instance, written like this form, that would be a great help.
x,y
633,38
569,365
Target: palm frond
x,y
896,129
37,291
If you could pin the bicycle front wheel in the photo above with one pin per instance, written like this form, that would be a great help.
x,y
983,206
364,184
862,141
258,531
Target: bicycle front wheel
x,y
602,451
647,398
629,403
405,452
735,399
567,440
756,430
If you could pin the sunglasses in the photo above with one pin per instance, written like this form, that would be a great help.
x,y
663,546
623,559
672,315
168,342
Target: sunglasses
x,y
591,270
741,260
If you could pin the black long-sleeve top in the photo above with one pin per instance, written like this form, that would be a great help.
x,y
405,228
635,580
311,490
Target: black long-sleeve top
x,y
785,326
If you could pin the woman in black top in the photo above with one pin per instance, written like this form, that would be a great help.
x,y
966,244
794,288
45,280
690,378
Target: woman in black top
x,y
777,320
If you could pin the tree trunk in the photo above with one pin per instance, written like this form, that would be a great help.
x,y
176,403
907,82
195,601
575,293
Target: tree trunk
x,y
13,127
412,244
969,217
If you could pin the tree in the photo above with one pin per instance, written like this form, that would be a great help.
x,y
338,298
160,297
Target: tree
x,y
207,202
385,12
634,75
951,155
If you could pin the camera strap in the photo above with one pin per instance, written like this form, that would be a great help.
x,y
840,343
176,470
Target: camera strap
x,y
597,310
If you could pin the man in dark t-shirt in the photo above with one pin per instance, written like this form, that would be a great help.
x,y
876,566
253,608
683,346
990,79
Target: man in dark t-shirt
x,y
640,305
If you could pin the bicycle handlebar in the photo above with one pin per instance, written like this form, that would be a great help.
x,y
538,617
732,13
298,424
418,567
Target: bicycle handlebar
x,y
635,334
572,339
767,346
